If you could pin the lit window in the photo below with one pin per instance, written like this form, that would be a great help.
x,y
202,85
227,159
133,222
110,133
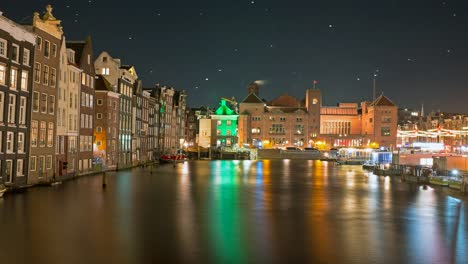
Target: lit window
x,y
42,134
24,80
19,167
26,56
50,134
3,47
385,131
34,128
2,74
10,142
22,111
13,78
12,109
20,142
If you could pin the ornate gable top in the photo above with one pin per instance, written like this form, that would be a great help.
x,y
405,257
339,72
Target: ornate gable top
x,y
48,14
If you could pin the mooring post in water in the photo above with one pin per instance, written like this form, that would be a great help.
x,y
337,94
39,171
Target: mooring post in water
x,y
104,181
464,185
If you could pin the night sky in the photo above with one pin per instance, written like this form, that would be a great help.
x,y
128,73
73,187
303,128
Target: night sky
x,y
419,49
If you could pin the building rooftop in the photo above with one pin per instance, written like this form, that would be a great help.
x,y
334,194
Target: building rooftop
x,y
252,98
382,100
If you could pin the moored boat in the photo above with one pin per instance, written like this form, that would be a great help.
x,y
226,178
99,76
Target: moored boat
x,y
171,158
3,189
368,165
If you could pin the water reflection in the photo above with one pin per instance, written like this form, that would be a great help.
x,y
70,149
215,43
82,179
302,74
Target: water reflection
x,y
270,211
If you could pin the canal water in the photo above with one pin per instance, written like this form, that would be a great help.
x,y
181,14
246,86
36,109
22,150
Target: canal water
x,y
281,211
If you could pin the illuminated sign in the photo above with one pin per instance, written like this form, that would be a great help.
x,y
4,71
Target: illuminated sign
x,y
429,146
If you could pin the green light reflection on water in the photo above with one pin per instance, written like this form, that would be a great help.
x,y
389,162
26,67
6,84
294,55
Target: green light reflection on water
x,y
225,214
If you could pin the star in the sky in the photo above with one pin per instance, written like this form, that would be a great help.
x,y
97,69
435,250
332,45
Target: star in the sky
x,y
454,14
220,70
130,37
196,87
449,51
252,2
358,79
206,79
330,26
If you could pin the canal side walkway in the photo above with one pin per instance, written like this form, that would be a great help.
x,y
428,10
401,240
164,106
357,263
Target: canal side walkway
x,y
6,190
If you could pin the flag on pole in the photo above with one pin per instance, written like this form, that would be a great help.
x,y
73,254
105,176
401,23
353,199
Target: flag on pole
x,y
315,82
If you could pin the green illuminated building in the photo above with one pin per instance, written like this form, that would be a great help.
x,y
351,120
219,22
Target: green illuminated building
x,y
225,122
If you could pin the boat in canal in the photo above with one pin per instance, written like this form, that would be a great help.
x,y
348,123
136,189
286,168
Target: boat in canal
x,y
369,165
179,157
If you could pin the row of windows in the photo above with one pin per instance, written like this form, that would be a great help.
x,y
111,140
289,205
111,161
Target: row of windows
x,y
15,52
10,142
85,164
42,133
9,169
86,121
86,143
72,98
272,118
46,47
40,163
87,80
48,74
60,144
62,119
11,116
336,127
126,90
87,99
43,102
14,75
277,129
